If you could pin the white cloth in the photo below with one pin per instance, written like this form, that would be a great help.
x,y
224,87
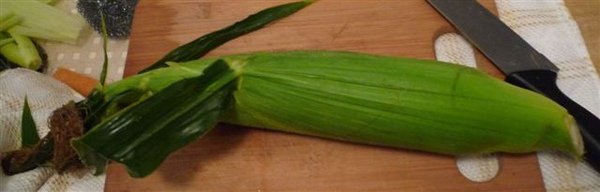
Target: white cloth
x,y
550,29
44,95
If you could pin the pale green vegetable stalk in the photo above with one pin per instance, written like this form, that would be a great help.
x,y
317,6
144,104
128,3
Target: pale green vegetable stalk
x,y
20,49
5,40
39,20
8,20
47,1
140,128
386,101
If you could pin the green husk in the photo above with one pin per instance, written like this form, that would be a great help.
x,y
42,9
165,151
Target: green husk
x,y
405,103
29,134
202,45
142,135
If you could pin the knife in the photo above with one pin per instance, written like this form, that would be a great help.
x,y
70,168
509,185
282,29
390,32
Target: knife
x,y
522,64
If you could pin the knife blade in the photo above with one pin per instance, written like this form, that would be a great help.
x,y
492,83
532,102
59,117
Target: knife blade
x,y
520,62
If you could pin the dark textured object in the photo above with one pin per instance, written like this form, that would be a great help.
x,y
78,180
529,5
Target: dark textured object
x,y
5,64
42,52
118,15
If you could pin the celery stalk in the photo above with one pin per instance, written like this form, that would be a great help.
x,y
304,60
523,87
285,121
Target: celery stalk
x,y
22,51
50,2
40,20
6,41
8,20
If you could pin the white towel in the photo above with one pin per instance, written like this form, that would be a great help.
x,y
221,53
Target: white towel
x,y
44,95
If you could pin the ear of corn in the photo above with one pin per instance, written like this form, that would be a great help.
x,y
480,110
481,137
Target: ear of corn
x,y
386,101
404,103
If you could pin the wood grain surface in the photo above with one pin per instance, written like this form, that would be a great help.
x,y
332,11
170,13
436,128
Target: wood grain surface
x,y
587,15
233,158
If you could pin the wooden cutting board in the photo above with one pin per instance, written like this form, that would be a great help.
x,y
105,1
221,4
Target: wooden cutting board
x,y
235,158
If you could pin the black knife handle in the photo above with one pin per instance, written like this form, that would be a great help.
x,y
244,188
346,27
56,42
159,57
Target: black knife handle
x,y
544,82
